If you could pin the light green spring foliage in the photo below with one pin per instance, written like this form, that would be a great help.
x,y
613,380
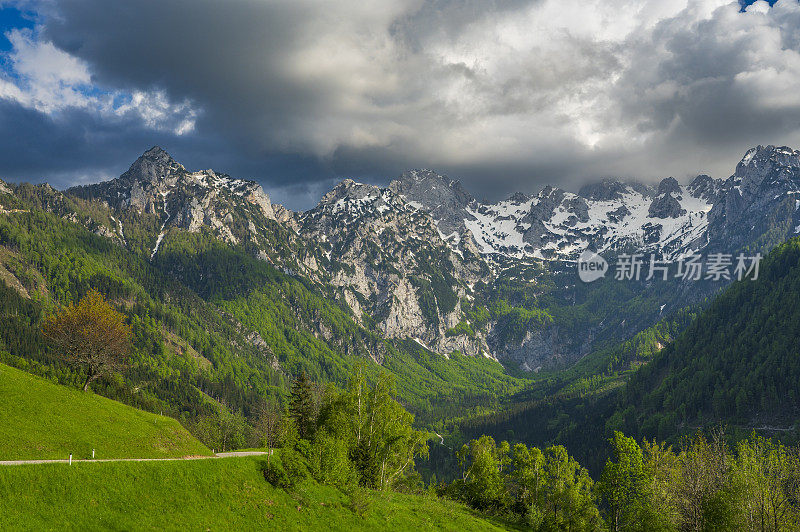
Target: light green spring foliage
x,y
376,429
357,437
482,480
622,483
767,476
649,487
548,490
706,486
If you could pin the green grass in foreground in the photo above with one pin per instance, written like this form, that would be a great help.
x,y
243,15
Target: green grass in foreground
x,y
42,420
221,494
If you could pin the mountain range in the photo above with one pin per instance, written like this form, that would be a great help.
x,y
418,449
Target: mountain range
x,y
421,257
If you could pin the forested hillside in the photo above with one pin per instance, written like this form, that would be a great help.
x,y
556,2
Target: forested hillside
x,y
739,362
734,363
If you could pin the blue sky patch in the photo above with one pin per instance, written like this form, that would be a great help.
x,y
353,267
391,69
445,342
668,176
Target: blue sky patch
x,y
12,18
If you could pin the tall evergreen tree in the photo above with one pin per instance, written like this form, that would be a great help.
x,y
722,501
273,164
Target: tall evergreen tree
x,y
302,408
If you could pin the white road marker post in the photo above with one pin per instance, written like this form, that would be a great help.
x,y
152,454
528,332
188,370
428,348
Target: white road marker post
x,y
92,454
70,458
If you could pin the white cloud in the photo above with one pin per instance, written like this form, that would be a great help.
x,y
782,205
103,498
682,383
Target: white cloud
x,y
156,110
43,77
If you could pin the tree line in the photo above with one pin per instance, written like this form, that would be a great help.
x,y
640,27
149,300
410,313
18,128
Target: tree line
x,y
705,485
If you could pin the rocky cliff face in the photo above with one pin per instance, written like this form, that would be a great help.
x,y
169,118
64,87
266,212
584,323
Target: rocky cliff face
x,y
391,263
757,207
235,210
559,225
156,184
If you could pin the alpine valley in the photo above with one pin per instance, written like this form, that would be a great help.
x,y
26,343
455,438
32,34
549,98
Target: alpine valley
x,y
475,308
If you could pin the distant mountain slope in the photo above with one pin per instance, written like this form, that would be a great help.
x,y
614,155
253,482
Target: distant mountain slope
x,y
531,243
391,264
736,363
739,362
42,420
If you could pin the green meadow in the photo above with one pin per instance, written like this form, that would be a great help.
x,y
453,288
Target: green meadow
x,y
42,420
217,494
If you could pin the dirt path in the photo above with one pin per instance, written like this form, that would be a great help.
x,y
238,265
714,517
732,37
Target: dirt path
x,y
232,454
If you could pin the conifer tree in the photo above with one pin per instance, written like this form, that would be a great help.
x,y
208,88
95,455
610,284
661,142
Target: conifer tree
x,y
302,408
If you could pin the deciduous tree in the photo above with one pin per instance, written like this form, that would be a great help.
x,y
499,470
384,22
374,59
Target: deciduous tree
x,y
268,426
90,334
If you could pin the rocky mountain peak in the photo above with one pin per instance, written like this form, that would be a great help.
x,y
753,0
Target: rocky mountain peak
x,y
669,185
764,154
156,184
444,198
764,187
704,187
518,198
435,187
554,224
346,192
666,204
157,152
605,190
767,167
153,166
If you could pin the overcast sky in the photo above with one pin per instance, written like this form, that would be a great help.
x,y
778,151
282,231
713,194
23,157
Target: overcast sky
x,y
505,95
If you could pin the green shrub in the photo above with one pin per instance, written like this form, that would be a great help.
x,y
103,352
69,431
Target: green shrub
x,y
294,466
276,475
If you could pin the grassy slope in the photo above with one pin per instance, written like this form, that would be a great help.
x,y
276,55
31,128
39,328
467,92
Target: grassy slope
x,y
41,420
223,494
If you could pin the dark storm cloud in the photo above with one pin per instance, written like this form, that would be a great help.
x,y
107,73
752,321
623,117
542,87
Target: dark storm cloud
x,y
80,147
505,95
75,147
